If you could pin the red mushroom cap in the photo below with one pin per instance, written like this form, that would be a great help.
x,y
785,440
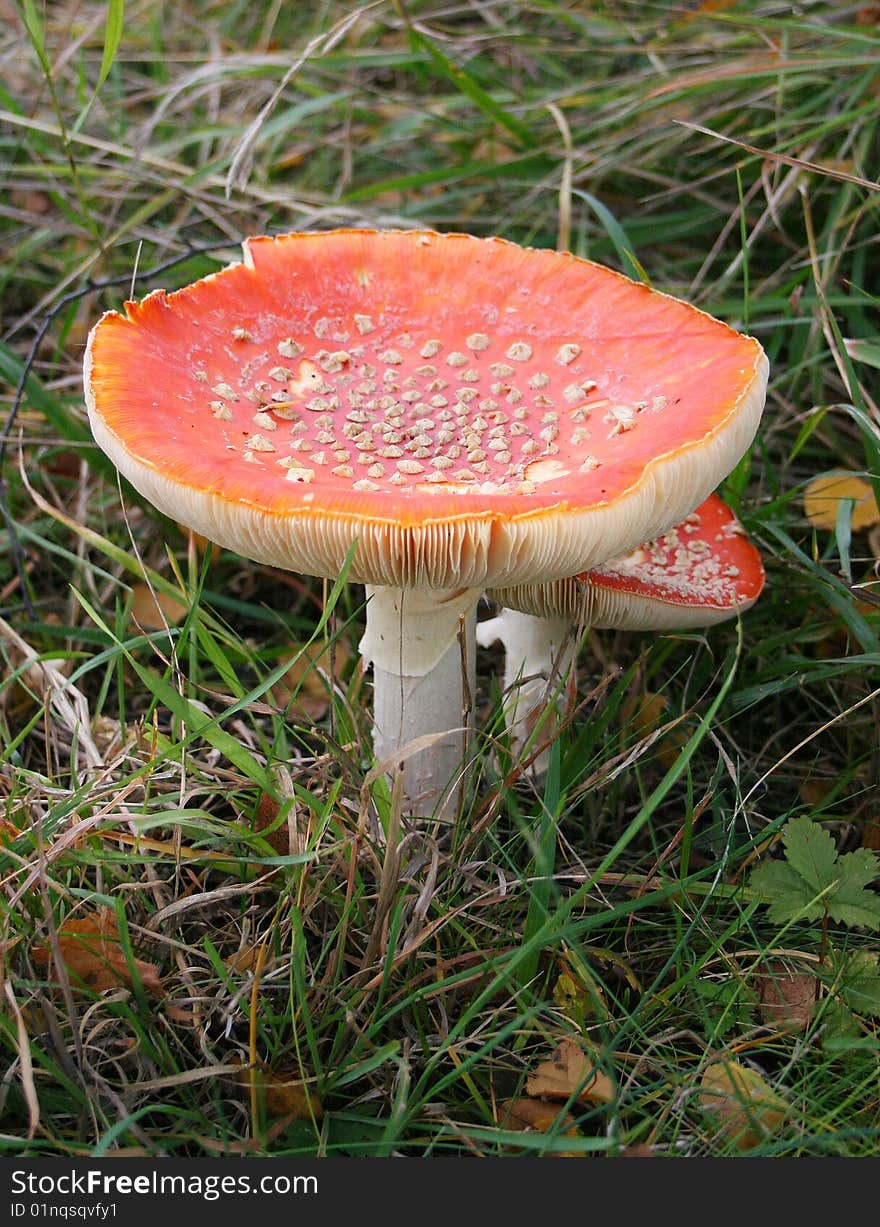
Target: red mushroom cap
x,y
470,411
699,573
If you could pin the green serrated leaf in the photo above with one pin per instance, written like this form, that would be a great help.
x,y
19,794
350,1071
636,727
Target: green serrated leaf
x,y
860,982
861,913
838,1020
730,1003
858,868
789,897
813,879
810,851
851,903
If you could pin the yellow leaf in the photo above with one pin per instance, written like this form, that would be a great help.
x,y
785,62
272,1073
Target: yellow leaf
x,y
824,495
747,1109
570,996
151,610
570,1073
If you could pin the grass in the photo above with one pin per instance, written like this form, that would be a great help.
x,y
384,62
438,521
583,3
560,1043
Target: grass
x,y
403,988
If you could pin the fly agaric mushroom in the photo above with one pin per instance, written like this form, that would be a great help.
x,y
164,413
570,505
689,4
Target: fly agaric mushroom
x,y
701,572
464,412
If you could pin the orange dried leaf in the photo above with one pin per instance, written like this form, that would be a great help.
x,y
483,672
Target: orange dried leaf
x,y
151,610
746,1108
248,957
815,791
571,1073
268,810
94,957
871,834
9,831
646,713
786,998
824,495
526,1115
284,1093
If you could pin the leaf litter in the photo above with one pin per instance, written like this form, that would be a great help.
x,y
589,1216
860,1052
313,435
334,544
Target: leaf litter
x,y
94,956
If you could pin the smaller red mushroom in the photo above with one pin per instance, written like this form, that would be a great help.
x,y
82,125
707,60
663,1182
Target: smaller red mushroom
x,y
701,572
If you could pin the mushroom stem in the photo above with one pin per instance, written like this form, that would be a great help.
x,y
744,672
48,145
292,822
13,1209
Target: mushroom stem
x,y
539,656
422,688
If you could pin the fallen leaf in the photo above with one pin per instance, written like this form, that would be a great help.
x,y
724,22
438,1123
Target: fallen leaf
x,y
646,713
814,791
110,735
747,1109
858,982
571,1073
64,464
247,958
786,998
571,997
152,610
306,687
8,831
28,200
284,1093
823,496
267,813
871,834
94,957
535,1116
